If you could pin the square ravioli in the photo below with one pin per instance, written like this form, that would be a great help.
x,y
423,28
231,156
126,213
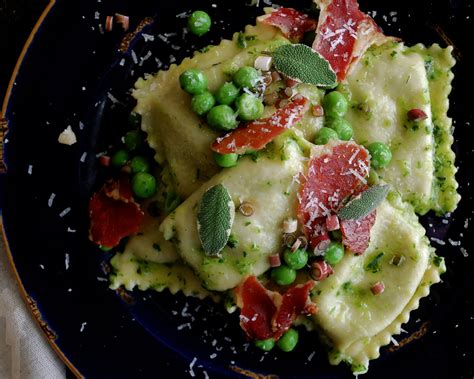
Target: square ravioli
x,y
355,321
387,83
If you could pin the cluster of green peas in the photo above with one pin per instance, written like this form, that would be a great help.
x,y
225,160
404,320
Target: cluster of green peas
x,y
143,183
286,274
286,343
335,106
228,104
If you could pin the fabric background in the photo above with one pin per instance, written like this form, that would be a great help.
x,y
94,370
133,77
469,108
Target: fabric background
x,y
24,350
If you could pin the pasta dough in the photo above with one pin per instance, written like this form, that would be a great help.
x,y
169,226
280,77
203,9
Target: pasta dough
x,y
355,321
384,85
269,186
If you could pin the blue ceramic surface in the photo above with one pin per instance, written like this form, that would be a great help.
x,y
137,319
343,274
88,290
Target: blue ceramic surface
x,y
70,75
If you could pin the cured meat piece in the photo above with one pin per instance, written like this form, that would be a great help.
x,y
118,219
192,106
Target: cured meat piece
x,y
332,177
257,308
356,233
266,314
292,23
114,213
344,34
256,134
332,223
294,302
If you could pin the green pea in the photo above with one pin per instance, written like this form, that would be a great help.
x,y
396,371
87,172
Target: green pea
x,y
120,158
265,345
222,117
139,164
143,185
105,248
297,259
199,23
134,119
288,341
202,103
193,81
283,275
133,140
341,126
334,253
250,107
227,93
226,160
380,155
373,178
335,104
246,77
325,135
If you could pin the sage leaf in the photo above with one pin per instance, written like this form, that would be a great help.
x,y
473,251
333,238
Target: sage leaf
x,y
215,217
364,203
300,62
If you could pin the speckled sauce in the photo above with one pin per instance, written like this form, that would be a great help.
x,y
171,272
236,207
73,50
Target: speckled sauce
x,y
67,277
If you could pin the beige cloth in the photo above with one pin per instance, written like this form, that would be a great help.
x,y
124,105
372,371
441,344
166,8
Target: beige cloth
x,y
24,350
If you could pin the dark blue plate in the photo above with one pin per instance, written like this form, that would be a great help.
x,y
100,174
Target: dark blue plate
x,y
73,74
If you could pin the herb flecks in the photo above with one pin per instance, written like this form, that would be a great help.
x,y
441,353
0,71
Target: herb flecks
x,y
302,63
214,219
374,265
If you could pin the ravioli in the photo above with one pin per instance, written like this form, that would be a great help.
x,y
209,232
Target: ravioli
x,y
355,322
269,185
384,85
131,272
179,137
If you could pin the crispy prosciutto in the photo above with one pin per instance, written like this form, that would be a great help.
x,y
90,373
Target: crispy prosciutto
x,y
356,233
256,134
257,308
344,34
294,302
265,314
333,175
114,214
293,24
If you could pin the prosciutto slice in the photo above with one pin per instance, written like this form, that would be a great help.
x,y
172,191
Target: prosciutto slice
x,y
268,314
114,213
344,33
333,175
292,23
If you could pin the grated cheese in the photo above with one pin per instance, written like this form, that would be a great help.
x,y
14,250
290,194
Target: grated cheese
x,y
191,365
65,212
182,326
148,37
354,155
67,137
438,241
134,57
51,199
